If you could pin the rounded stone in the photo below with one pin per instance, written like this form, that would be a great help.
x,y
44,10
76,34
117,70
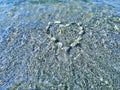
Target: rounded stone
x,y
60,44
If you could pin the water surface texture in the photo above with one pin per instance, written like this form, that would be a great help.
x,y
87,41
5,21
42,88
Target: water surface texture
x,y
59,44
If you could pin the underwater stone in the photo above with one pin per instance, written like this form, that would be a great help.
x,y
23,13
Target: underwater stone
x,y
49,23
60,44
67,25
79,38
75,42
61,25
53,39
116,27
57,22
48,27
79,24
67,49
80,27
81,32
106,82
101,79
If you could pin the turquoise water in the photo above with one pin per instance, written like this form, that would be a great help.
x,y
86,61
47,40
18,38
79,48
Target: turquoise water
x,y
32,58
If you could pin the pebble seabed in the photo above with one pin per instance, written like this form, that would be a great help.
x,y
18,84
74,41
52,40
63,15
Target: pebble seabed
x,y
70,46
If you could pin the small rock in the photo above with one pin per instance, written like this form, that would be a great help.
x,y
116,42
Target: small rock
x,y
116,27
47,30
79,24
49,23
60,44
80,28
48,27
53,39
67,49
103,40
90,33
106,82
81,32
67,25
101,79
92,86
72,23
61,25
57,22
79,38
75,43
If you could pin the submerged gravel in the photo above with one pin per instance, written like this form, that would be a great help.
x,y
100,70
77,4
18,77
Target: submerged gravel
x,y
63,45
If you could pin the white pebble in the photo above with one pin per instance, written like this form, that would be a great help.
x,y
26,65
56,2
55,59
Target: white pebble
x,y
92,86
81,32
79,38
61,25
74,43
116,27
106,82
67,25
80,27
91,33
101,79
57,22
103,40
53,39
60,44
49,23
47,27
66,48
78,24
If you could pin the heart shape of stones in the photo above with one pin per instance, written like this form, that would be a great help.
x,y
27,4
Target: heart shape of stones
x,y
66,36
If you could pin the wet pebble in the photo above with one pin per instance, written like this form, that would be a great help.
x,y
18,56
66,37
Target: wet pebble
x,y
67,49
116,27
79,24
60,44
101,79
53,39
90,33
103,40
61,25
106,82
57,22
74,43
79,38
68,24
49,23
48,27
80,28
81,32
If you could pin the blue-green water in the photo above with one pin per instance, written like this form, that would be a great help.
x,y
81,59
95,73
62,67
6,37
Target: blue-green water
x,y
39,48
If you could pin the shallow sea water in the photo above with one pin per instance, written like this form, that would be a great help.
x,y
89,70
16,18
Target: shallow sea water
x,y
59,45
